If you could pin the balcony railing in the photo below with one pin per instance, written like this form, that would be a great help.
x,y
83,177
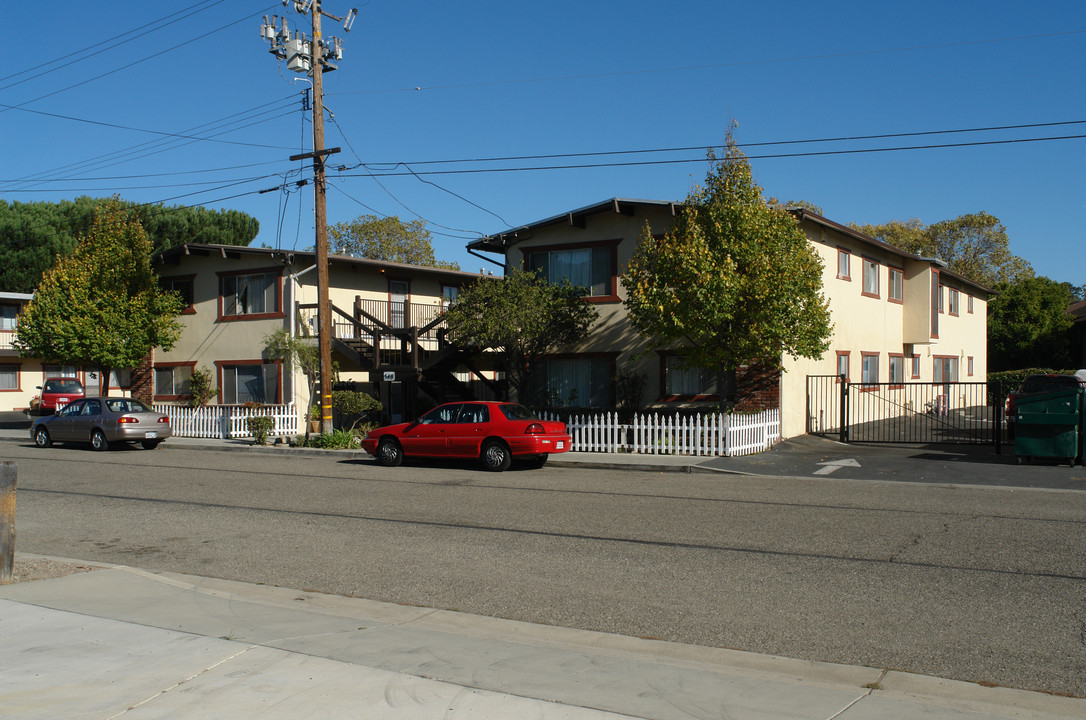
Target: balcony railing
x,y
7,340
399,330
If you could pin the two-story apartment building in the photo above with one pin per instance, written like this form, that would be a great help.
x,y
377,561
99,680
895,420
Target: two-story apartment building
x,y
386,317
896,316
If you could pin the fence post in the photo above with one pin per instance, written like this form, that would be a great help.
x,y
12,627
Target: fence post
x,y
7,520
844,408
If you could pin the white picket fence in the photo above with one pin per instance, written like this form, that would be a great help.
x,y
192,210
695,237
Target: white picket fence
x,y
227,421
711,434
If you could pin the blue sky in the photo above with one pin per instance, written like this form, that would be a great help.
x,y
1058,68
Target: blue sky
x,y
423,82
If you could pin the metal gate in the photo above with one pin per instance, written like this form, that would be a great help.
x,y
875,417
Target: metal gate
x,y
957,412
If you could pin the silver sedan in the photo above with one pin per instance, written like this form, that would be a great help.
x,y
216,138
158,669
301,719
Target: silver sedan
x,y
101,421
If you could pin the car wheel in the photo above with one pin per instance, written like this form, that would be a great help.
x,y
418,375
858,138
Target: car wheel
x,y
496,456
41,438
389,453
98,440
150,444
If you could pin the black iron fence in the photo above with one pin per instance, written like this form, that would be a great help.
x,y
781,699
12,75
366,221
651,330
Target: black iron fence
x,y
916,412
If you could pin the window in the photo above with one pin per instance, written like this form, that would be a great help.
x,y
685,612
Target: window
x,y
52,371
252,295
941,293
916,367
844,258
952,302
8,315
969,304
579,382
871,278
970,371
9,377
842,364
896,290
449,294
249,382
591,268
121,378
183,287
897,369
869,372
946,369
173,380
682,380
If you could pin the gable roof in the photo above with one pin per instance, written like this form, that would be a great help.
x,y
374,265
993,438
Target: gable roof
x,y
289,258
501,242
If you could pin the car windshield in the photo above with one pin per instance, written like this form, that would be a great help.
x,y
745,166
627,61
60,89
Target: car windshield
x,y
512,411
63,386
124,405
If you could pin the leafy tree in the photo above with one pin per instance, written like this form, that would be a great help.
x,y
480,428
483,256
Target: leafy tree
x,y
389,239
734,282
34,235
522,316
294,350
975,245
1028,325
101,306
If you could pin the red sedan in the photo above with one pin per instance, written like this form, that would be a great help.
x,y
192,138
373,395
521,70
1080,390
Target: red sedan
x,y
494,432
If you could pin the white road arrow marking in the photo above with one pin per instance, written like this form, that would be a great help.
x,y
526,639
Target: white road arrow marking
x,y
833,465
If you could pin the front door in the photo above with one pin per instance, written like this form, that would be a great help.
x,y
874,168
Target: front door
x,y
398,294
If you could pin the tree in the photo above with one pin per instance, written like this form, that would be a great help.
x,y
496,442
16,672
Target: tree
x,y
34,235
975,246
389,239
522,316
734,282
1028,325
101,306
293,350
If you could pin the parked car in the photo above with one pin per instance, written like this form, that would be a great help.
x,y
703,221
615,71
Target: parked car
x,y
57,391
102,421
1034,385
494,432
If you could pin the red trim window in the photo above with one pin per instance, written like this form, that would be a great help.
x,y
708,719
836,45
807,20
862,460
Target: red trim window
x,y
173,380
183,286
969,363
895,293
251,294
953,301
11,380
869,370
842,364
844,264
242,381
897,369
871,278
592,266
915,367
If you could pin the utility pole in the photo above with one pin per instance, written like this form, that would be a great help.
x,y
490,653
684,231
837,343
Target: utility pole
x,y
312,58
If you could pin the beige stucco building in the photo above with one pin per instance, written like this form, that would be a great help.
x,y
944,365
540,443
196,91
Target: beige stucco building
x,y
897,317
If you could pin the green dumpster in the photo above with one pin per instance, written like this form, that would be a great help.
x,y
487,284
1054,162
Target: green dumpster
x,y
1049,425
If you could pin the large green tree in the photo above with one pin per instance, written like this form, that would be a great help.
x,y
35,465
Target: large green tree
x,y
388,238
33,235
734,282
975,245
522,316
1028,325
101,305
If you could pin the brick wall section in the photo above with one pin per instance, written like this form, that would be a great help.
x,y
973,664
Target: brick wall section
x,y
143,379
758,387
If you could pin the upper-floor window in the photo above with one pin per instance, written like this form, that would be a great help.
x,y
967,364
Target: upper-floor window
x,y
250,294
844,262
969,304
896,291
183,287
449,294
591,268
952,301
9,317
871,278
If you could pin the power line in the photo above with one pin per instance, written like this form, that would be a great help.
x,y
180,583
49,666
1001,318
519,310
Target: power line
x,y
703,159
715,66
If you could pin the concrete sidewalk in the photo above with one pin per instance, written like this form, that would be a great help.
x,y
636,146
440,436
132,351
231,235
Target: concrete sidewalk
x,y
124,643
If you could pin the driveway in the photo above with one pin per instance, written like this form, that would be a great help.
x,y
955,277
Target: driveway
x,y
816,457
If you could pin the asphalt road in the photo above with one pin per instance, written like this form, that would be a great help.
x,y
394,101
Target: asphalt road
x,y
986,584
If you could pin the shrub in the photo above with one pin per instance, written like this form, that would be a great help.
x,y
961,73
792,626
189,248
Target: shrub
x,y
260,426
337,440
201,389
